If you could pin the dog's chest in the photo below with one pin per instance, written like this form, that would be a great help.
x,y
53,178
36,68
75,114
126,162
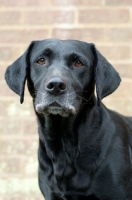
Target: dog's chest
x,y
67,177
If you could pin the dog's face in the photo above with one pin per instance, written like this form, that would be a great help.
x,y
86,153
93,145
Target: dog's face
x,y
61,75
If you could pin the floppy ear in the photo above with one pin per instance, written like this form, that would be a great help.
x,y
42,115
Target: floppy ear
x,y
16,74
107,78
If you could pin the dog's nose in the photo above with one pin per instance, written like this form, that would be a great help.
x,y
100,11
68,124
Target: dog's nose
x,y
56,86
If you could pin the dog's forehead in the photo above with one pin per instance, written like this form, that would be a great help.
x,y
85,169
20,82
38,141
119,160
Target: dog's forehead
x,y
62,46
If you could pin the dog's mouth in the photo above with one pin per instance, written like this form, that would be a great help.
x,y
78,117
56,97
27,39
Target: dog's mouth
x,y
55,109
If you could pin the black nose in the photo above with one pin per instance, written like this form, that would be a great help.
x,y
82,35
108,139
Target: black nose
x,y
56,86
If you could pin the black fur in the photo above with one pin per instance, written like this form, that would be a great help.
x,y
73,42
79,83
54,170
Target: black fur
x,y
85,149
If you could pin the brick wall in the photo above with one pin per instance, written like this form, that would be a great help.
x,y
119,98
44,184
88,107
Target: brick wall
x,y
107,23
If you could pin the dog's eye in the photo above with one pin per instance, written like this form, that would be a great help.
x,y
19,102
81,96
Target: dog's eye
x,y
41,61
78,63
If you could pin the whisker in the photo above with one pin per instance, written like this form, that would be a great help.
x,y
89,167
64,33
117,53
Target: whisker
x,y
82,98
74,92
81,91
78,96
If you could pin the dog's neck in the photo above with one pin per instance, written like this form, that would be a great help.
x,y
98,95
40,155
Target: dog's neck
x,y
56,126
60,139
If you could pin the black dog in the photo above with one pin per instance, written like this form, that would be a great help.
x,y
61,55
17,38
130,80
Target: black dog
x,y
85,150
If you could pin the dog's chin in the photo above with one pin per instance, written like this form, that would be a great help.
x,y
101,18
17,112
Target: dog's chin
x,y
56,110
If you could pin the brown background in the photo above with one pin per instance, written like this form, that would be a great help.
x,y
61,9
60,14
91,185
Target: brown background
x,y
107,23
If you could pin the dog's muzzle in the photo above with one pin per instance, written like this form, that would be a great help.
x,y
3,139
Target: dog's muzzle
x,y
55,109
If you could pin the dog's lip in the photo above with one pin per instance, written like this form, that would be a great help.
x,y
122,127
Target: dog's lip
x,y
55,108
55,104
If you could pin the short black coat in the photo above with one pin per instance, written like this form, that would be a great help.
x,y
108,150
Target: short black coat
x,y
85,149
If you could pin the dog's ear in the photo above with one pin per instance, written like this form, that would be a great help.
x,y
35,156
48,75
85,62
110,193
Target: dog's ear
x,y
107,78
16,74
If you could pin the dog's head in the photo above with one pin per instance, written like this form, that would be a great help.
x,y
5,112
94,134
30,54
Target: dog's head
x,y
61,75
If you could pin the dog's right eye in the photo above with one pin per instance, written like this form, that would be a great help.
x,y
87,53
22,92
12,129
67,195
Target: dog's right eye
x,y
41,61
78,64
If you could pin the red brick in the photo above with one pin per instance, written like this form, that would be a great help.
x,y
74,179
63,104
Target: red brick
x,y
27,93
88,35
12,3
121,100
17,185
29,166
66,33
10,18
23,196
23,3
62,17
5,91
104,16
92,35
2,71
125,70
9,53
119,35
22,36
19,147
118,2
14,108
76,2
38,3
10,165
115,52
90,2
124,90
18,126
12,197
121,105
48,17
11,126
30,127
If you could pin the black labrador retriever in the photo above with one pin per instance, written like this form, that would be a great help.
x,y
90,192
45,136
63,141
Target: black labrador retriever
x,y
85,149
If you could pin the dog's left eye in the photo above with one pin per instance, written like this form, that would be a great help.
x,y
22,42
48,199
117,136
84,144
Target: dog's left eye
x,y
41,61
78,63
